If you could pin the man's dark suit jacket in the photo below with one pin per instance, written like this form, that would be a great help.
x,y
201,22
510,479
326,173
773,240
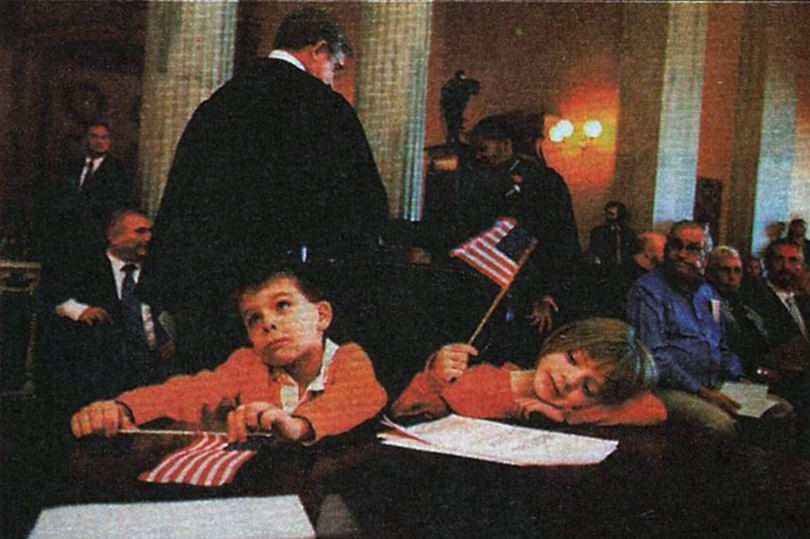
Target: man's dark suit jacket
x,y
603,244
273,160
778,321
83,363
76,219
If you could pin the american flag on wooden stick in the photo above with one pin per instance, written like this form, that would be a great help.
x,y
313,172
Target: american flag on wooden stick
x,y
498,253
208,462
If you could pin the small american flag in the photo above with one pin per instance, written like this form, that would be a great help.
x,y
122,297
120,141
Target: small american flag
x,y
497,252
208,462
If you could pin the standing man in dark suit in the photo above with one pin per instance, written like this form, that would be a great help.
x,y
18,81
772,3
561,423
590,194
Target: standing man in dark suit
x,y
614,242
274,164
87,191
103,339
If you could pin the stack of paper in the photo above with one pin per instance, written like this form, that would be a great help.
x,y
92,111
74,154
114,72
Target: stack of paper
x,y
276,516
497,442
753,397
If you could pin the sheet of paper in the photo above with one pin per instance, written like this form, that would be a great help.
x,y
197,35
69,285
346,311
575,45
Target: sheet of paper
x,y
276,516
753,397
506,444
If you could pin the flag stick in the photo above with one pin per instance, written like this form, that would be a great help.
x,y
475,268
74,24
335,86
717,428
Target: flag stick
x,y
189,432
523,258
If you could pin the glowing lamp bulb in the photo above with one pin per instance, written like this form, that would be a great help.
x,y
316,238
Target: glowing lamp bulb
x,y
592,128
555,134
566,128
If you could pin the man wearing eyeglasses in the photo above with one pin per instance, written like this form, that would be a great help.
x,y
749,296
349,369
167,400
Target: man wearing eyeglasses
x,y
274,164
745,329
678,315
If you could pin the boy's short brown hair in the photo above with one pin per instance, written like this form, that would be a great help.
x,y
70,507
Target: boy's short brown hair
x,y
613,345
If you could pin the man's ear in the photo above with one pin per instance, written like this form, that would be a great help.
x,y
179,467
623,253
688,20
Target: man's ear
x,y
324,315
321,47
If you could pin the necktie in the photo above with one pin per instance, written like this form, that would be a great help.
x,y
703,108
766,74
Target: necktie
x,y
796,314
130,304
87,173
617,244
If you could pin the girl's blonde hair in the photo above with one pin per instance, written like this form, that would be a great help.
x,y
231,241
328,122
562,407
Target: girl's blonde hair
x,y
613,345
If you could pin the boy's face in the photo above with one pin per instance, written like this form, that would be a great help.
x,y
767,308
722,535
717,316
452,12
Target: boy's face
x,y
282,324
568,379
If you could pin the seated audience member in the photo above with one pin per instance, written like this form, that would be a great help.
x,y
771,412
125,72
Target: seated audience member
x,y
589,371
796,231
752,276
291,380
744,327
104,339
647,256
783,307
678,316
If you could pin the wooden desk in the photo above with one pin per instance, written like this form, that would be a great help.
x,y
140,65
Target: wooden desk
x,y
655,485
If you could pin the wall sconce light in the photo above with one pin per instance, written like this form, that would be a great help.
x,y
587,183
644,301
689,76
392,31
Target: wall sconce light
x,y
561,130
592,129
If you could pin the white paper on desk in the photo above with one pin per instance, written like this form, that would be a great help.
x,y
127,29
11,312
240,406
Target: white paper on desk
x,y
753,397
275,516
506,444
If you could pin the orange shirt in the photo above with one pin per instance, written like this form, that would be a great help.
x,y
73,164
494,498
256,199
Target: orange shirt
x,y
345,394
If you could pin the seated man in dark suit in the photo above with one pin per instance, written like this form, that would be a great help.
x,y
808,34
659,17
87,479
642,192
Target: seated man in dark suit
x,y
785,310
104,340
744,327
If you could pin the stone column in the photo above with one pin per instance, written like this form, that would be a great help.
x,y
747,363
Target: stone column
x,y
391,90
659,122
189,53
776,191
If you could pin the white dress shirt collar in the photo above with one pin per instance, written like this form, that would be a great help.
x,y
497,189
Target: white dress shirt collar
x,y
285,56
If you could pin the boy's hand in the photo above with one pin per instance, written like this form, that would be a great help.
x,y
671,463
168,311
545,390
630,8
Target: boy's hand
x,y
264,416
451,361
525,406
102,416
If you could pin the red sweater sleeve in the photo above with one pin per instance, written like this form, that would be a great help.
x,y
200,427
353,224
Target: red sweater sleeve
x,y
423,396
183,398
351,394
483,391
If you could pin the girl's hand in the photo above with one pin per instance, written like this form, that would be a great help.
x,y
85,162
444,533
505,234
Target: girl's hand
x,y
525,406
451,361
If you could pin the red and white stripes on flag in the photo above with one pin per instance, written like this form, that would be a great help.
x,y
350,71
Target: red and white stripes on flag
x,y
206,462
496,252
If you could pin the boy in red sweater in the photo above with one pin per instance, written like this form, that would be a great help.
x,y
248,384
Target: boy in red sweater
x,y
292,380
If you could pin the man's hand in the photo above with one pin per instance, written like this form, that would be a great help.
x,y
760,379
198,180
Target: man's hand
x,y
543,314
167,351
724,402
91,315
101,417
525,406
263,416
451,361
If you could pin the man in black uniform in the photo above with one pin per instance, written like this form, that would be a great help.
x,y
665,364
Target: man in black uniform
x,y
538,199
273,164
